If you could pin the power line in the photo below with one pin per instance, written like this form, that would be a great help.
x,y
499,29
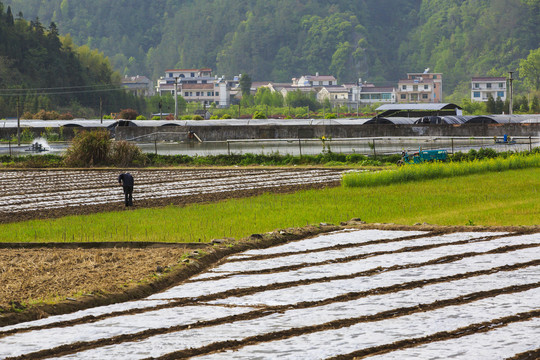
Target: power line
x,y
63,92
61,87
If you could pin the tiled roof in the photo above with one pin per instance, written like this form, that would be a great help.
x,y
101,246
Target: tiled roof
x,y
417,81
197,86
370,89
486,78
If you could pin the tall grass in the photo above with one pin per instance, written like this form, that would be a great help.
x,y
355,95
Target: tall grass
x,y
510,198
438,170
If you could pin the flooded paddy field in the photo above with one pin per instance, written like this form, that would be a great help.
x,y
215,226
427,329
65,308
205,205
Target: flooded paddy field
x,y
353,293
49,193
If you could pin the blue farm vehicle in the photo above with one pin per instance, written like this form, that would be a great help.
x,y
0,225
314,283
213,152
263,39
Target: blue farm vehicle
x,y
423,156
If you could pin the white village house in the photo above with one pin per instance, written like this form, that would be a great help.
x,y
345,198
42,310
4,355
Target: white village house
x,y
483,87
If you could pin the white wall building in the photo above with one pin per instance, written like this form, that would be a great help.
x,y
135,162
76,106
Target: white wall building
x,y
195,85
483,87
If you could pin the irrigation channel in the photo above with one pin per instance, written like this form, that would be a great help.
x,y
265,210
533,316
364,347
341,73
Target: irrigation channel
x,y
49,193
366,146
377,294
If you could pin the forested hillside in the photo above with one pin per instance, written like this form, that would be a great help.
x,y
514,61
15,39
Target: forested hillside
x,y
377,41
41,71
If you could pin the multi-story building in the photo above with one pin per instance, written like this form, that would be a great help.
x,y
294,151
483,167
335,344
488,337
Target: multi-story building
x,y
423,87
139,85
370,94
317,80
195,85
484,87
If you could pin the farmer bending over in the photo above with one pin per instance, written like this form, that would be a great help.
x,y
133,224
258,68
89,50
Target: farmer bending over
x,y
127,182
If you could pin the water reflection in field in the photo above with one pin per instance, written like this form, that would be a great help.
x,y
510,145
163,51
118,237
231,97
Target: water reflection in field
x,y
365,146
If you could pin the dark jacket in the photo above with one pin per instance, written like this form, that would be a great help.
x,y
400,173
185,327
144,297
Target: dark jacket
x,y
126,179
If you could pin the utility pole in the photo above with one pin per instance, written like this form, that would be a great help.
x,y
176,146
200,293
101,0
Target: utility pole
x,y
160,110
101,110
18,124
511,90
176,98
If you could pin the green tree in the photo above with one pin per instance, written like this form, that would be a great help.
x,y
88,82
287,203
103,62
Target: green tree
x,y
529,69
535,105
491,107
245,85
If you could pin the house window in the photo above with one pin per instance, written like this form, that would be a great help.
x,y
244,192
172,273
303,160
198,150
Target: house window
x,y
415,87
217,93
198,93
500,94
404,87
186,94
434,76
403,96
476,85
329,83
209,93
387,96
376,96
424,96
501,85
488,85
364,96
476,94
192,74
414,97
170,75
426,87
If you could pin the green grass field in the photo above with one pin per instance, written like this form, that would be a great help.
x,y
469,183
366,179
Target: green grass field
x,y
495,198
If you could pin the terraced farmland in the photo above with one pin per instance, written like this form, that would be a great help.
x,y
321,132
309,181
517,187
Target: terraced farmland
x,y
376,294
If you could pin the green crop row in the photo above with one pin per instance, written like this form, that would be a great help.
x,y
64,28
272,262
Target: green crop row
x,y
436,170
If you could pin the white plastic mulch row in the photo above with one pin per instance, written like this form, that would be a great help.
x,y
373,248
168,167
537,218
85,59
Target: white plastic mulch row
x,y
329,343
334,269
255,265
293,318
498,344
322,344
26,202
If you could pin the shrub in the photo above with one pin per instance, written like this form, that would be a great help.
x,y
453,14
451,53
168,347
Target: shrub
x,y
27,115
214,117
107,117
66,116
330,116
226,116
128,114
124,153
140,117
197,117
155,117
89,148
259,115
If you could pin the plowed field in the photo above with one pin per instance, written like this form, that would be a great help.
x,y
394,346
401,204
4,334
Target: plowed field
x,y
355,293
46,194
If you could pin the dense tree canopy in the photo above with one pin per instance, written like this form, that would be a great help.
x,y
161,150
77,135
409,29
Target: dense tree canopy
x,y
41,70
276,40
